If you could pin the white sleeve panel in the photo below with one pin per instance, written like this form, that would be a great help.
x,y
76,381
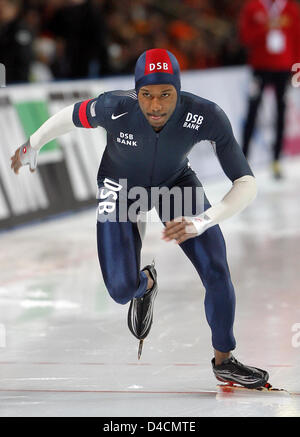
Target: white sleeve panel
x,y
59,124
242,193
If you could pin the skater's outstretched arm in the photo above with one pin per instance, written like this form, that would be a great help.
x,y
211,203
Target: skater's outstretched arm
x,y
86,114
242,193
59,124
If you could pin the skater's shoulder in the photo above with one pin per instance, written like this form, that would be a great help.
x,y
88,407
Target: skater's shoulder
x,y
194,101
119,98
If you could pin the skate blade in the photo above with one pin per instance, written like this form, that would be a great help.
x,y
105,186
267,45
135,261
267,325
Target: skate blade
x,y
267,388
140,348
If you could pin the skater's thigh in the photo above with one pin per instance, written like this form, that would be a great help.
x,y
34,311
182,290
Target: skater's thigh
x,y
207,251
119,246
119,240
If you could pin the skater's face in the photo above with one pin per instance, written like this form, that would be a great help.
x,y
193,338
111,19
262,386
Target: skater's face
x,y
157,103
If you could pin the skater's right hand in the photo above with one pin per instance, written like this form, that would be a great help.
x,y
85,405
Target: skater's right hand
x,y
24,155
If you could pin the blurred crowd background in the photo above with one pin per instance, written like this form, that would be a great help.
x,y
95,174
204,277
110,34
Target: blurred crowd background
x,y
43,40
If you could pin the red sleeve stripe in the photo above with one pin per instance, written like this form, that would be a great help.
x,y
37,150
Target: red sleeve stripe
x,y
82,114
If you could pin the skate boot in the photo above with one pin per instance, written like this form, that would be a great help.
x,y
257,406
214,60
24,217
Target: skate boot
x,y
233,372
140,313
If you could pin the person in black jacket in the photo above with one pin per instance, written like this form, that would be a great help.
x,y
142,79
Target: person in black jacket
x,y
16,41
82,29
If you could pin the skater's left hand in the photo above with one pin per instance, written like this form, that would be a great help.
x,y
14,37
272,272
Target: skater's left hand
x,y
24,155
180,229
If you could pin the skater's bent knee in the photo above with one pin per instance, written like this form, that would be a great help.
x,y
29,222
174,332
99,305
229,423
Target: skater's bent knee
x,y
121,300
121,295
214,276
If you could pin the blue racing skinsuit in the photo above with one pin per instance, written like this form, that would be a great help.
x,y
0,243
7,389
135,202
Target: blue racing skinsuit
x,y
146,158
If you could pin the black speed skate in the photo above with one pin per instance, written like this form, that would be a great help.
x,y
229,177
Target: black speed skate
x,y
233,372
140,313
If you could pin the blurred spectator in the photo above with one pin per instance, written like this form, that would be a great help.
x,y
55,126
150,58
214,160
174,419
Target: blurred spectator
x,y
270,30
81,26
94,38
44,50
15,42
231,51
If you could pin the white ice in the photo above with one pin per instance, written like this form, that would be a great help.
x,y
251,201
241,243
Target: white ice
x,y
65,346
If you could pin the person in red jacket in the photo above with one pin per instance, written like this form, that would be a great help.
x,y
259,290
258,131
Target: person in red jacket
x,y
270,31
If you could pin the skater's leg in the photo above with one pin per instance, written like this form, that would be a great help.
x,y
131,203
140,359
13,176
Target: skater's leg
x,y
208,255
255,96
119,251
207,252
280,82
119,248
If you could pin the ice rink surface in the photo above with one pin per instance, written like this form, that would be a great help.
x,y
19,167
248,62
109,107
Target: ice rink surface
x,y
65,346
